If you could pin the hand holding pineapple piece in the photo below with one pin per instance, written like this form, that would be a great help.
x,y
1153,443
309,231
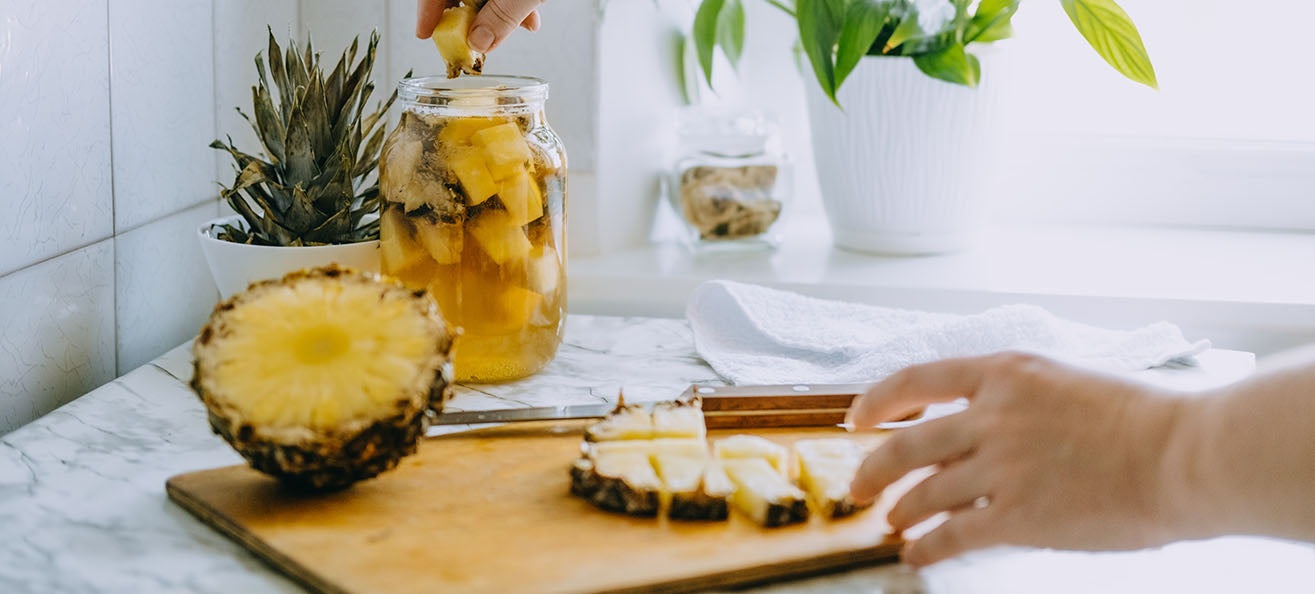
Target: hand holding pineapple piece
x,y
450,37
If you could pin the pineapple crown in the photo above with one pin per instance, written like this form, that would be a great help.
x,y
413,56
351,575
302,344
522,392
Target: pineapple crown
x,y
309,185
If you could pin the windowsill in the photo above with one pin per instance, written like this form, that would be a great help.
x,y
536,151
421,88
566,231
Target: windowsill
x,y
1243,289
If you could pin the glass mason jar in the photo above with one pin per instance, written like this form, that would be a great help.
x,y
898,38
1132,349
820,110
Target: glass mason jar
x,y
731,179
473,183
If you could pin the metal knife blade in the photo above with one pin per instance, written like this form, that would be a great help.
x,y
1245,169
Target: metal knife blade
x,y
511,415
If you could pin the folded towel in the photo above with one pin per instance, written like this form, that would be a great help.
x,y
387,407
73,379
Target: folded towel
x,y
755,335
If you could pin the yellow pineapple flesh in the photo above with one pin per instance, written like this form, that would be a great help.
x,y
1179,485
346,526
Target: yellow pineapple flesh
x,y
450,37
322,378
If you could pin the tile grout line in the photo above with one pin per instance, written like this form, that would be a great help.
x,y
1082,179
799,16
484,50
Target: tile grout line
x,y
114,216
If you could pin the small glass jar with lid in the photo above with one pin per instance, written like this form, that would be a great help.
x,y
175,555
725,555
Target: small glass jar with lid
x,y
731,179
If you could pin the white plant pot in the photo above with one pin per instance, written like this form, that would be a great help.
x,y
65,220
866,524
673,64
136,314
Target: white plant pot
x,y
236,265
901,167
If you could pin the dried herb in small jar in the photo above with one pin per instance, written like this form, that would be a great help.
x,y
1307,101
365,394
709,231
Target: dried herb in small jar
x,y
730,180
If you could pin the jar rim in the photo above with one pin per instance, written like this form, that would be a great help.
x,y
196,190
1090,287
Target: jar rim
x,y
508,89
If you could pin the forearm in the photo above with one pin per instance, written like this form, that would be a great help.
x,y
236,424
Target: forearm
x,y
1243,460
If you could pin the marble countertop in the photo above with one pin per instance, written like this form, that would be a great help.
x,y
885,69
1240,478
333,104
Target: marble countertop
x,y
83,507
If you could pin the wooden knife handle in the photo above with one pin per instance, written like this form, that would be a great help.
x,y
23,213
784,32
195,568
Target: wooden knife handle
x,y
780,397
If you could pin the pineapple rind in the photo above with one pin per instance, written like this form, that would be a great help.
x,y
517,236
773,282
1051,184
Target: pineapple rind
x,y
303,454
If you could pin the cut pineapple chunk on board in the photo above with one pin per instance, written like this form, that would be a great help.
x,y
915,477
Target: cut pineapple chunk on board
x,y
680,418
688,448
694,487
441,240
450,39
738,447
474,175
397,247
763,494
521,197
625,482
502,240
626,421
505,149
826,467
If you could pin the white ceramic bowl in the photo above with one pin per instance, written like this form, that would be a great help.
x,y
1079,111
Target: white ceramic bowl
x,y
236,265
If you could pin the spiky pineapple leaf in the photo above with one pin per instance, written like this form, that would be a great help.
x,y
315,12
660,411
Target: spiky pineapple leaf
x,y
309,186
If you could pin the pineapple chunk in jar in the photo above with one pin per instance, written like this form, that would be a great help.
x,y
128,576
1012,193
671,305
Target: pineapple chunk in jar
x,y
473,182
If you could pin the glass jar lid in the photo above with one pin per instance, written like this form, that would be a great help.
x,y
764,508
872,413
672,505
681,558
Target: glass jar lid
x,y
726,133
473,95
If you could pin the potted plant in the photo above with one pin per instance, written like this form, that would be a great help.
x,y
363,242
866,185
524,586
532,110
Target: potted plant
x,y
311,196
897,165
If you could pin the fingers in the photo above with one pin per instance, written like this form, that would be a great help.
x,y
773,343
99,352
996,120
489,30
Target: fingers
x,y
917,386
937,440
972,528
532,22
427,14
956,486
498,19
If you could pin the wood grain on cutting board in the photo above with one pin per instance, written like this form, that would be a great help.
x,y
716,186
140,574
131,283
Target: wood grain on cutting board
x,y
489,511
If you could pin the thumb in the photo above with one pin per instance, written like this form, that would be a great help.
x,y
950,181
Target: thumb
x,y
497,20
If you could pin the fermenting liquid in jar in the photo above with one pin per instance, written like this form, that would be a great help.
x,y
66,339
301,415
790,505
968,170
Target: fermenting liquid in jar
x,y
474,192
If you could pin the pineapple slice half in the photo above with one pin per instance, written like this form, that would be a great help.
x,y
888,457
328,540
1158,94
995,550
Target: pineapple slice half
x,y
322,378
620,482
450,37
763,494
826,467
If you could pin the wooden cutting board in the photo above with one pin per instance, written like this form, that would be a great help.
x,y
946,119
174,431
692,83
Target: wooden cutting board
x,y
489,511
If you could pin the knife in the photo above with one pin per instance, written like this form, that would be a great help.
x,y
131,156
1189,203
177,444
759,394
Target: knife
x,y
724,407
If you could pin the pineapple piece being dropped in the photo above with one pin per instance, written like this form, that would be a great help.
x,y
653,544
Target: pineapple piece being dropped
x,y
450,39
322,378
826,467
763,494
751,446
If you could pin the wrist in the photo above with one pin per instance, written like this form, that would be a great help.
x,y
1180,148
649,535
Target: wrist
x,y
1188,490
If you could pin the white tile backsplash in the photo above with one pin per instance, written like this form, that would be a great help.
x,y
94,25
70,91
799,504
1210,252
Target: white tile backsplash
x,y
239,33
162,92
333,23
56,333
55,129
163,286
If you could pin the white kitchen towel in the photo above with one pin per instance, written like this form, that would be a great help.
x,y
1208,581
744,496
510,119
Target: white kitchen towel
x,y
756,335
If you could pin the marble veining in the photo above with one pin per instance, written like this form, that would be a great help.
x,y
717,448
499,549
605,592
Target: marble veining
x,y
83,508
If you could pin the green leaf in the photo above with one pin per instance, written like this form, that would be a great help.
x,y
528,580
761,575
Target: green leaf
x,y
819,28
863,23
906,30
1111,32
705,34
951,64
992,21
730,31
